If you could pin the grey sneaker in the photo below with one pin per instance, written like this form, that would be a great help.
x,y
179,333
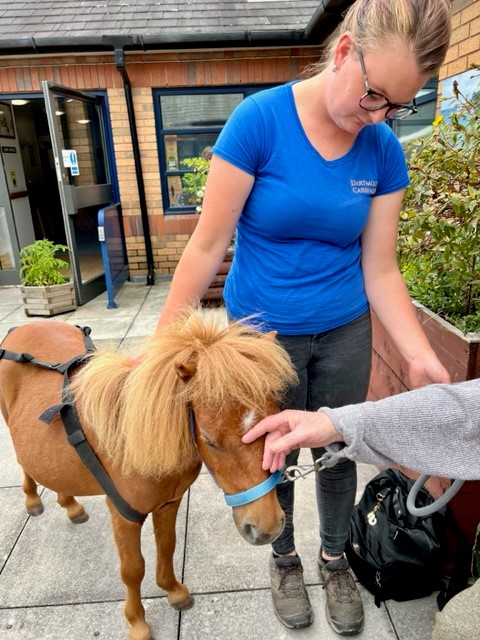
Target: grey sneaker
x,y
290,599
344,608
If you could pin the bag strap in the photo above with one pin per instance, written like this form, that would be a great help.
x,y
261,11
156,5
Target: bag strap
x,y
421,512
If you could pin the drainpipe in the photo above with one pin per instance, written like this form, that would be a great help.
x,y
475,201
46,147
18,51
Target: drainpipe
x,y
120,64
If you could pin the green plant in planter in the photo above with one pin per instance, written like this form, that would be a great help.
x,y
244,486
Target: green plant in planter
x,y
39,265
195,181
439,234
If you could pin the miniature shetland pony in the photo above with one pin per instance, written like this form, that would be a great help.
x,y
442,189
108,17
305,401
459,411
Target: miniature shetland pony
x,y
151,421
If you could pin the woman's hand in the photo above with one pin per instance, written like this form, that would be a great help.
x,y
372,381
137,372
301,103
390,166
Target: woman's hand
x,y
427,369
291,430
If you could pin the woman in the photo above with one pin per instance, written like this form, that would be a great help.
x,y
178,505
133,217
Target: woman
x,y
313,180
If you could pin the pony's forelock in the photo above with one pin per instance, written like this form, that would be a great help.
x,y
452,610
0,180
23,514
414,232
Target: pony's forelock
x,y
146,425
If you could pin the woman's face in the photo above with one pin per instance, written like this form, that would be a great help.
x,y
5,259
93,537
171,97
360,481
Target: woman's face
x,y
391,71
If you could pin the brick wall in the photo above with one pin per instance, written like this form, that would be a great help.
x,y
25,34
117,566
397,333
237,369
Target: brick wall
x,y
464,48
146,71
185,69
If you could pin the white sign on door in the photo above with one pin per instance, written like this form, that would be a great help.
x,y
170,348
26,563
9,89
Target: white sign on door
x,y
70,161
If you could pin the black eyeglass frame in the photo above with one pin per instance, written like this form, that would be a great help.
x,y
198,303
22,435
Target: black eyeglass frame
x,y
400,111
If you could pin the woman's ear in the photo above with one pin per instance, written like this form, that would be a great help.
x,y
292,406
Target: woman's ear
x,y
343,49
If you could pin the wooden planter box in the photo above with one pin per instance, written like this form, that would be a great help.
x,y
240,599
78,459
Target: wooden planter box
x,y
48,301
458,352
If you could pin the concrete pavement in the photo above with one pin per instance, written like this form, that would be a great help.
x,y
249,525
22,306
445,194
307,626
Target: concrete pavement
x,y
59,581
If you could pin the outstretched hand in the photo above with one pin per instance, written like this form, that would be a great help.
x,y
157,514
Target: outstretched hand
x,y
291,430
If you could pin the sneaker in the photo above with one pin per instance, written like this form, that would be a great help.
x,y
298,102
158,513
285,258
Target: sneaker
x,y
344,608
290,599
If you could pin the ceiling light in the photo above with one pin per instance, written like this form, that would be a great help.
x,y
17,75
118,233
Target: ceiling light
x,y
20,102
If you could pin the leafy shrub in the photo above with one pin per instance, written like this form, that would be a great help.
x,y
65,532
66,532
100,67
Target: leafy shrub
x,y
39,265
439,243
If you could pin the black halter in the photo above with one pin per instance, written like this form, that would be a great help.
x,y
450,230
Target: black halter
x,y
75,435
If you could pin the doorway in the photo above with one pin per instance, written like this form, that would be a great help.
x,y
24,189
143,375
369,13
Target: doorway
x,y
63,143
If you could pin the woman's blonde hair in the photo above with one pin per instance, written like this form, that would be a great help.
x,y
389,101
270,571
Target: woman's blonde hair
x,y
424,25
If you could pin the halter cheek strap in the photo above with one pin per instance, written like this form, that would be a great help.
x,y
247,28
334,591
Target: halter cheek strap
x,y
249,495
259,490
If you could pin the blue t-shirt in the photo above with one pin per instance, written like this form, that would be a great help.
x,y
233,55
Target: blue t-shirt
x,y
297,246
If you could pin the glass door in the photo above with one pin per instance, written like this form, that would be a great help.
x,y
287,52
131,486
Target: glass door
x,y
9,258
76,124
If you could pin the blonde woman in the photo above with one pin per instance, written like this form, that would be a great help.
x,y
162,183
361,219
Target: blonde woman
x,y
312,179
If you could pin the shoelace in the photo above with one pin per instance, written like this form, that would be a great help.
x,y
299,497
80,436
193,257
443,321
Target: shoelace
x,y
342,584
291,581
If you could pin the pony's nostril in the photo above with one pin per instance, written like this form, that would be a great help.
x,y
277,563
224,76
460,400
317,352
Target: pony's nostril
x,y
250,531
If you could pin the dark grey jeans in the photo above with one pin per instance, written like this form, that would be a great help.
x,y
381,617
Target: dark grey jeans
x,y
334,370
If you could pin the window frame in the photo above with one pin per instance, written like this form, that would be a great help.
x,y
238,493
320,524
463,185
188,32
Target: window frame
x,y
163,132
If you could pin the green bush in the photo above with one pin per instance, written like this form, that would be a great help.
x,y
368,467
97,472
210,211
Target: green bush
x,y
439,244
39,265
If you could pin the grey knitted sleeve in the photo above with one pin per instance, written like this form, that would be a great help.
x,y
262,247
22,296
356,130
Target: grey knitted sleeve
x,y
433,430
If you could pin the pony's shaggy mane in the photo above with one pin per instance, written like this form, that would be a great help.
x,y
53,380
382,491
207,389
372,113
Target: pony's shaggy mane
x,y
140,413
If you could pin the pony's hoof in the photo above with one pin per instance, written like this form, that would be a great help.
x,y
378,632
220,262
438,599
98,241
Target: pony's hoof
x,y
36,510
184,605
80,518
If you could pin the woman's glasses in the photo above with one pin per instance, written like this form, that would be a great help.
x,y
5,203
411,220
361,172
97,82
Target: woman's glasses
x,y
372,101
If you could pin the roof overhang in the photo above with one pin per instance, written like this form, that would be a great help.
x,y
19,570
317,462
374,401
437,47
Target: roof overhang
x,y
322,24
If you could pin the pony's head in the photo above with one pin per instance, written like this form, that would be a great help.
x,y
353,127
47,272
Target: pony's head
x,y
231,375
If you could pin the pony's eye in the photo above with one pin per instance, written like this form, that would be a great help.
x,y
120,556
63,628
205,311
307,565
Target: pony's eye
x,y
208,442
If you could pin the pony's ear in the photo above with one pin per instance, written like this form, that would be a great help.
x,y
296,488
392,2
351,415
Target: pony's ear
x,y
186,371
271,335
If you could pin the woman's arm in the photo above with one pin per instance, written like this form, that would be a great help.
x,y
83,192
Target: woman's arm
x,y
388,295
226,191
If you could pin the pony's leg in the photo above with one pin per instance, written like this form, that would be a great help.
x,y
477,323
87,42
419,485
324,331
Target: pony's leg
x,y
33,502
75,510
164,519
127,537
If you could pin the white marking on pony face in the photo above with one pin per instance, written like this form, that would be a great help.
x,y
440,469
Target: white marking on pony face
x,y
249,420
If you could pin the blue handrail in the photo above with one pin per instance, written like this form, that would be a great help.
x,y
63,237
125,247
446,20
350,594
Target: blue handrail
x,y
114,251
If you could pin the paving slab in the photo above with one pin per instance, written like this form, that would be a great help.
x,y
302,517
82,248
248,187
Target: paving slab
x,y
247,615
96,621
74,563
10,471
414,619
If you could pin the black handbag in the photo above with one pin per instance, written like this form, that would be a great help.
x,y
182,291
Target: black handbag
x,y
392,553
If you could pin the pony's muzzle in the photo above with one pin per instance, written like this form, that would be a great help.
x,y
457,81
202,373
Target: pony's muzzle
x,y
261,530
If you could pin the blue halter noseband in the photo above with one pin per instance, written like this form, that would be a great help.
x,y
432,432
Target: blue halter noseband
x,y
259,490
249,495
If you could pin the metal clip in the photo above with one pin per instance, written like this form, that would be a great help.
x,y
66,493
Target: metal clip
x,y
296,471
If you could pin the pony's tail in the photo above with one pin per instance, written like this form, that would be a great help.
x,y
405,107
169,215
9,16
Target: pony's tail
x,y
97,390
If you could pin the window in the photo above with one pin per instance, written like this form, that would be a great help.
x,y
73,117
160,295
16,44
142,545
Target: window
x,y
188,124
420,123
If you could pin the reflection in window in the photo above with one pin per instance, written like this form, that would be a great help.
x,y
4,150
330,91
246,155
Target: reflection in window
x,y
7,260
197,110
80,129
188,124
420,123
